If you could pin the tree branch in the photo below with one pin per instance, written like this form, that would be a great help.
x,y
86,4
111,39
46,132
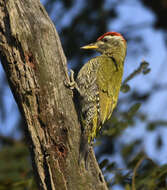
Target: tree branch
x,y
35,65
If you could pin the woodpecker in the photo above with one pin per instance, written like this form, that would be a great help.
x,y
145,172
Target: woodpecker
x,y
98,83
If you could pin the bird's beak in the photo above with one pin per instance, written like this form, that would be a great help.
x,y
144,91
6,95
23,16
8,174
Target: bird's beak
x,y
90,46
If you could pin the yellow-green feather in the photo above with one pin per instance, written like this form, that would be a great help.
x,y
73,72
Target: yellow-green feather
x,y
109,77
93,132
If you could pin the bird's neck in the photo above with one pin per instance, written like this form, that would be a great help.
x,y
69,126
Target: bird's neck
x,y
118,53
117,58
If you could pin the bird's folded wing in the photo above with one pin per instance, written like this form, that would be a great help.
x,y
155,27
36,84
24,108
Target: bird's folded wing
x,y
104,81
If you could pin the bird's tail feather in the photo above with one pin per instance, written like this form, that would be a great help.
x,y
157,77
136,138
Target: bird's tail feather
x,y
84,149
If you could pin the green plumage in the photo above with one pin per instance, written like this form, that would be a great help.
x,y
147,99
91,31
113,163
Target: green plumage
x,y
99,81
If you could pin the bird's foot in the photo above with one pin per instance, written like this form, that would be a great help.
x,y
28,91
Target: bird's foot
x,y
71,84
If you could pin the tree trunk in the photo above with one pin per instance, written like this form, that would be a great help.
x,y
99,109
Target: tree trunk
x,y
35,65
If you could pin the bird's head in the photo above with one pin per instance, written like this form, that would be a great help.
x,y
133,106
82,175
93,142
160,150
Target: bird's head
x,y
111,44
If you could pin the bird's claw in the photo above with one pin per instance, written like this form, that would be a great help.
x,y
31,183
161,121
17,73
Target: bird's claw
x,y
70,84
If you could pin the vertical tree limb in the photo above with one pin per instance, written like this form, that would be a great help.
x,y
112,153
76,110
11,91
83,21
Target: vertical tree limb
x,y
35,65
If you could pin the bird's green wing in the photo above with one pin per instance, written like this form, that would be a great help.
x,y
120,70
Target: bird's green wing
x,y
109,81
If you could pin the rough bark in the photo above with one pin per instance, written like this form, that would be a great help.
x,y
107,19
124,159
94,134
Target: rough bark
x,y
35,65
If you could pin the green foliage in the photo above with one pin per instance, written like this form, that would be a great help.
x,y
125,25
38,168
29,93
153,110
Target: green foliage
x,y
148,175
16,168
144,174
154,124
132,111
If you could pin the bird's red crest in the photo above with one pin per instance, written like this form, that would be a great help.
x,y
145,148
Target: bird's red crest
x,y
111,34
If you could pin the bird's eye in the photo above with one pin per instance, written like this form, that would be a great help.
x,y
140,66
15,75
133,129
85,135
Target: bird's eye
x,y
105,40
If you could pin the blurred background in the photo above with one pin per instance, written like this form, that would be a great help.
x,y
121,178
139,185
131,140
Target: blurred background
x,y
132,148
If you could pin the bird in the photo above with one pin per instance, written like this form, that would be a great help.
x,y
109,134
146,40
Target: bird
x,y
98,84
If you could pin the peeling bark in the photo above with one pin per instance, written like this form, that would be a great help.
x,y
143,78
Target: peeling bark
x,y
35,65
